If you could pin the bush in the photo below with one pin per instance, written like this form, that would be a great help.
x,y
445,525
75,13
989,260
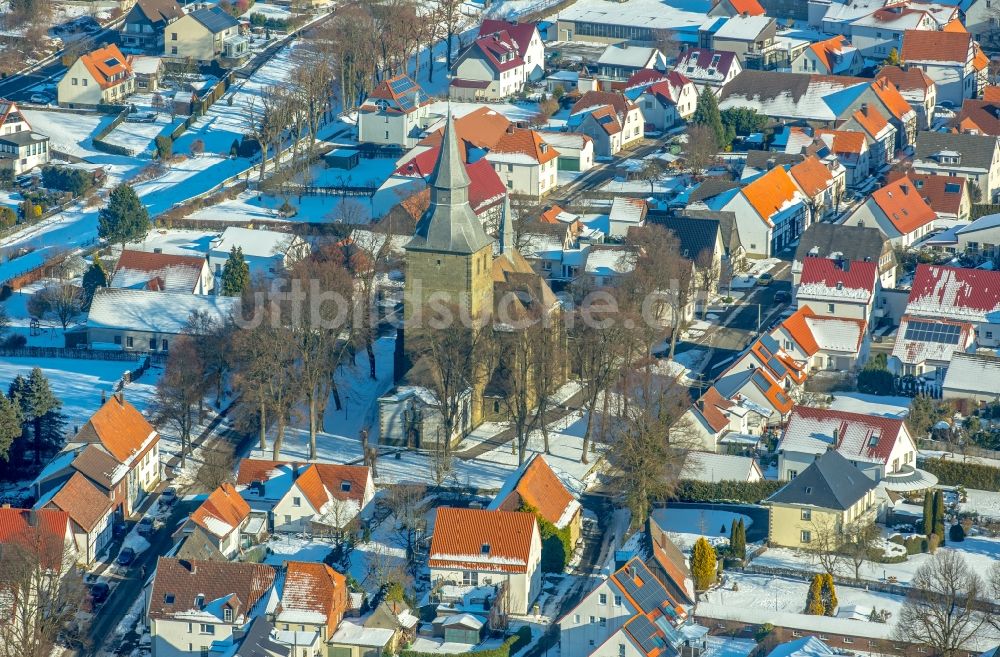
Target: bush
x,y
762,632
557,546
75,181
956,533
164,147
7,217
752,492
875,377
971,475
15,341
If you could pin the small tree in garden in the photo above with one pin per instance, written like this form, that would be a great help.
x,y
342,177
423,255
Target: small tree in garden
x,y
703,564
814,599
956,534
829,595
928,513
197,147
125,218
234,150
235,274
738,540
939,515
96,276
164,147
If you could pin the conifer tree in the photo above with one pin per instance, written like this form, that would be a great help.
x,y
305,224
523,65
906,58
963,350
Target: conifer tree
x,y
10,425
829,595
43,413
235,274
939,516
814,599
96,276
703,563
928,513
741,536
125,218
707,114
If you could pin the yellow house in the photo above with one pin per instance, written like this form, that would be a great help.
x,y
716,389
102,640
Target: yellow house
x,y
100,77
817,504
203,36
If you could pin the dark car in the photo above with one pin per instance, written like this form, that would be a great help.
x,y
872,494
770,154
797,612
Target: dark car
x,y
781,296
145,526
126,556
168,496
99,592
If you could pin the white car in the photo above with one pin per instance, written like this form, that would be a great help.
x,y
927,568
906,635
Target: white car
x,y
40,99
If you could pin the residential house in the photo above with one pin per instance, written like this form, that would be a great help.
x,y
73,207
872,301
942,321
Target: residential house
x,y
838,344
766,355
951,59
92,515
838,287
321,497
978,117
45,534
100,77
771,212
826,496
667,563
553,248
193,603
148,69
700,241
881,31
823,183
881,447
973,157
395,113
713,468
490,69
751,38
879,133
665,99
576,150
609,118
850,147
629,613
605,265
528,40
474,547
824,101
833,56
625,214
261,638
119,451
162,272
716,423
949,310
312,598
760,388
204,36
898,210
853,243
21,148
619,62
736,8
147,320
536,486
972,377
708,68
916,88
267,252
145,24
947,196
525,162
978,238
222,518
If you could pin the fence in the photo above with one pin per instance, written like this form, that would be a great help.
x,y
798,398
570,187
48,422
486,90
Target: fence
x,y
83,354
132,375
330,190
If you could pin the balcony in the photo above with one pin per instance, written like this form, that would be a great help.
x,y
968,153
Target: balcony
x,y
908,479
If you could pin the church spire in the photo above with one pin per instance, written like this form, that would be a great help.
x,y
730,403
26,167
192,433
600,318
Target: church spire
x,y
449,225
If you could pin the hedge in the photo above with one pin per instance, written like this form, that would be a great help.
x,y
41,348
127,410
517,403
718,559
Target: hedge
x,y
510,646
751,492
76,181
951,472
557,544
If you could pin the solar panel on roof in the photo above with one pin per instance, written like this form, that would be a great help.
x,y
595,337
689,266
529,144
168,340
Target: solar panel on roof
x,y
769,342
760,380
646,634
777,367
401,85
933,332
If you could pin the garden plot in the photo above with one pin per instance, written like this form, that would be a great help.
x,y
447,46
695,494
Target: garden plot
x,y
139,137
686,526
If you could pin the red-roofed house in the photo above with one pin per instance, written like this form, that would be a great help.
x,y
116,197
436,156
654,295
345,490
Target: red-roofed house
x,y
898,210
822,342
536,485
312,598
715,422
525,162
709,68
163,272
395,113
978,117
736,8
670,98
833,56
475,547
850,147
221,519
823,183
949,309
46,533
838,287
609,118
527,39
948,196
877,445
879,133
91,512
916,88
491,68
100,77
948,58
323,497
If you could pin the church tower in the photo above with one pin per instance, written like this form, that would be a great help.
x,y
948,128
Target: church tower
x,y
450,256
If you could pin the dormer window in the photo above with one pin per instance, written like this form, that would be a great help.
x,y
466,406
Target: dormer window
x,y
199,601
345,486
485,549
168,598
227,615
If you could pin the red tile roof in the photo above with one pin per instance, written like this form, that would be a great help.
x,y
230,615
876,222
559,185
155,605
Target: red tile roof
x,y
933,46
254,470
669,89
119,428
943,194
906,79
854,431
748,7
486,190
771,193
853,275
978,116
952,291
223,512
615,99
828,50
180,584
481,127
954,25
474,539
845,141
44,530
871,120
991,94
644,77
526,142
315,588
83,501
498,47
812,176
903,206
402,94
322,482
797,327
539,487
711,406
891,98
521,33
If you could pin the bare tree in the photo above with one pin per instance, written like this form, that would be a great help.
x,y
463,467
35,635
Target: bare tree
x,y
406,503
652,172
217,465
449,14
213,341
372,261
667,43
860,537
42,593
548,370
62,302
701,149
825,542
313,78
943,609
180,391
707,273
515,384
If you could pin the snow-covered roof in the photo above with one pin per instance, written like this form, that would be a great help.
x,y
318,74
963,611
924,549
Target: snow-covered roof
x,y
628,56
954,293
464,620
706,466
922,340
857,437
685,15
255,243
608,261
352,634
977,373
165,313
836,334
743,28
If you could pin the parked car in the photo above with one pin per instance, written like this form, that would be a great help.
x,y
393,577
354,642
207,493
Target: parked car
x,y
764,279
40,99
168,496
126,557
782,296
146,526
99,592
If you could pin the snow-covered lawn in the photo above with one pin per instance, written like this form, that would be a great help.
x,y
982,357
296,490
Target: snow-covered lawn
x,y
985,503
249,206
686,526
78,383
138,136
859,402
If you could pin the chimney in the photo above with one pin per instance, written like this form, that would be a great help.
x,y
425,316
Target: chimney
x,y
120,396
864,108
6,505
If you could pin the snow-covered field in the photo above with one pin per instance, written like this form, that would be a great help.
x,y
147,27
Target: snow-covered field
x,y
248,207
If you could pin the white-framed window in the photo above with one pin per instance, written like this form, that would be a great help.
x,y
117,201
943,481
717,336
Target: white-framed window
x,y
805,536
806,514
602,598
